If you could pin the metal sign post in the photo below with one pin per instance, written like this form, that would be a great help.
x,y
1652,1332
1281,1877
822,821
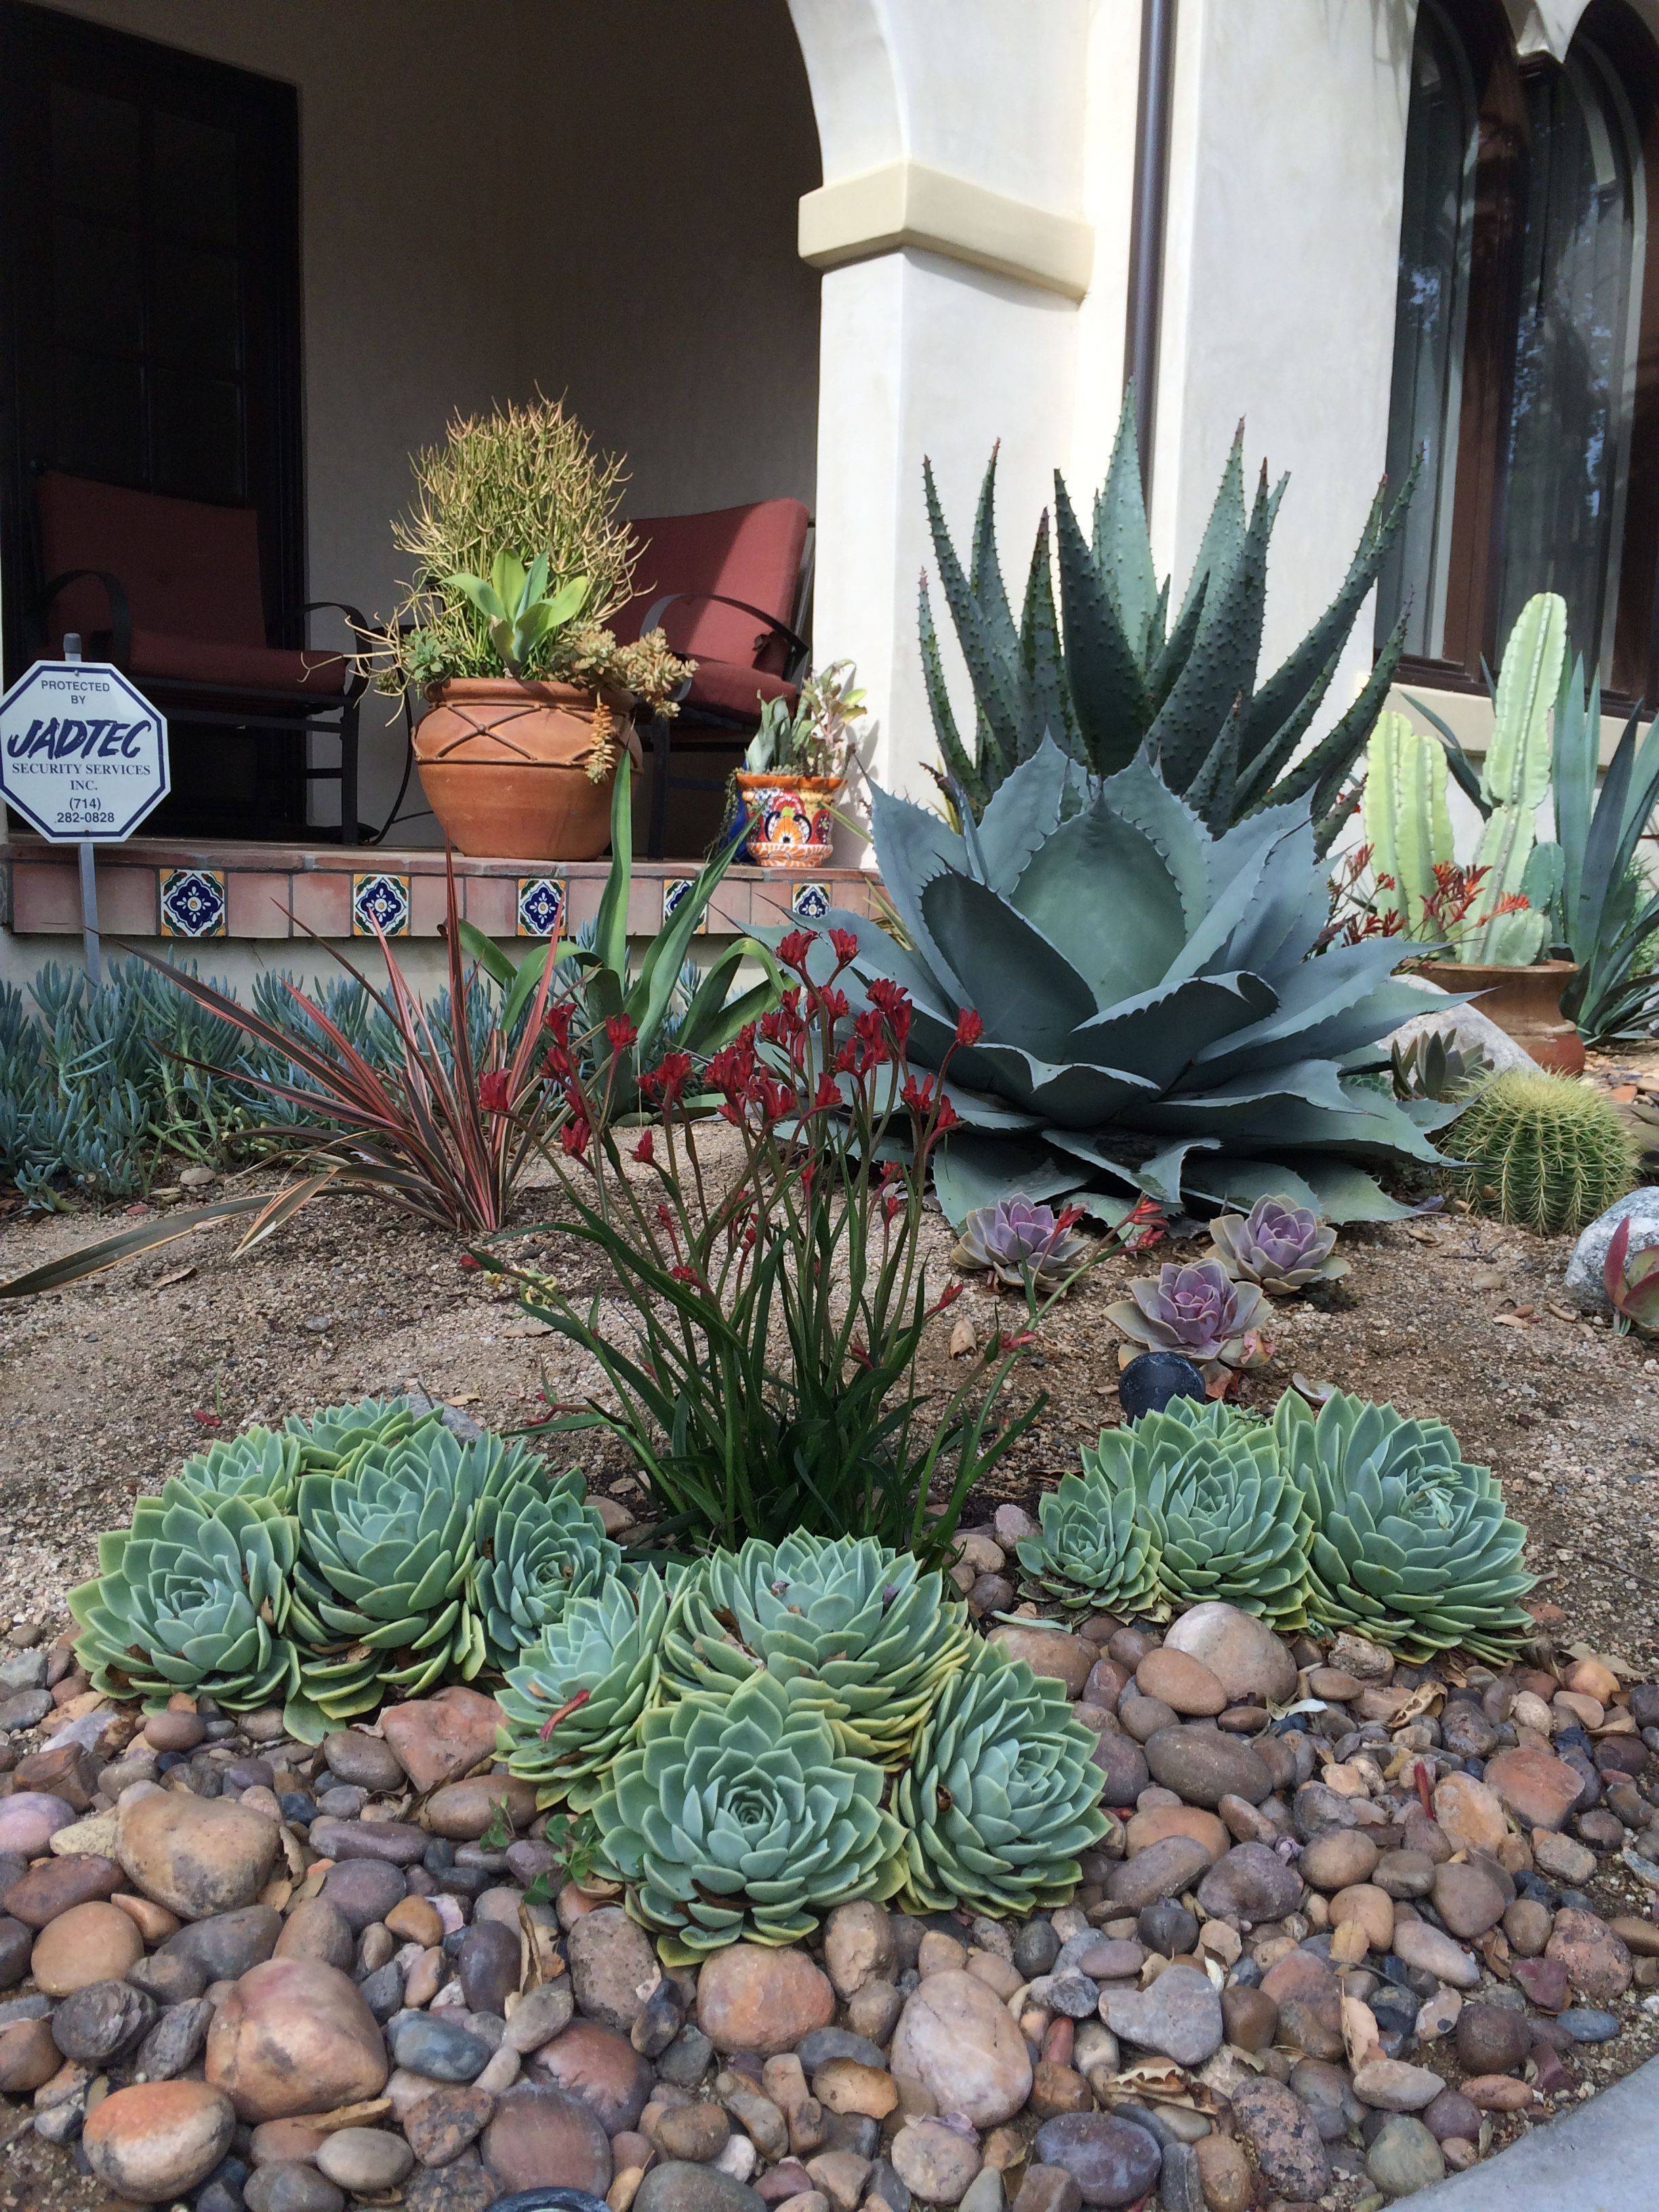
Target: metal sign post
x,y
83,758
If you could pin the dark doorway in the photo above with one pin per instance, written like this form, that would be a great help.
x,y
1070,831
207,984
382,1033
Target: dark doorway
x,y
149,334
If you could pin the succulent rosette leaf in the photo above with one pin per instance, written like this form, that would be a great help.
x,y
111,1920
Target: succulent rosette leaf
x,y
1223,1518
194,1596
1021,1243
866,1633
537,1545
1092,1550
1001,1794
740,1816
329,1437
576,1697
1279,1245
256,1463
387,1562
1193,1308
1411,1545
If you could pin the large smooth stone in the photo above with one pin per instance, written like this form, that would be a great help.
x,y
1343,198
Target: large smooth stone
x,y
158,2141
1202,1767
93,1942
1251,1884
958,2039
675,2187
28,1820
1052,1651
613,1966
1285,2137
438,1740
55,1885
753,1998
601,2068
1585,1284
540,2138
1539,1788
197,1855
1242,1652
294,2037
1179,2017
1112,2161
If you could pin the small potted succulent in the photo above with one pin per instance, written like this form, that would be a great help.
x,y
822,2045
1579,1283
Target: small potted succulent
x,y
1279,1246
1195,1309
519,557
796,765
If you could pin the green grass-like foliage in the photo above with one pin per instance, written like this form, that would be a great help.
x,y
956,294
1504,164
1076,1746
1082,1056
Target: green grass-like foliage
x,y
1000,1796
1411,1545
741,1815
1155,1022
866,1633
1181,1506
575,1697
1541,1152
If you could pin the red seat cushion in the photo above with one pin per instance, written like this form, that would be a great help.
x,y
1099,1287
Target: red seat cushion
x,y
189,569
725,689
237,667
751,553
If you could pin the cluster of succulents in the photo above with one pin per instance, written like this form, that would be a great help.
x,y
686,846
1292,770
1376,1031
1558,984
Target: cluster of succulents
x,y
794,1726
1024,1244
1352,1517
362,1550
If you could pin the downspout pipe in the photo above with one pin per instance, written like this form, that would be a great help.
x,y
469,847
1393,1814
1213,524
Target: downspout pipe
x,y
1146,221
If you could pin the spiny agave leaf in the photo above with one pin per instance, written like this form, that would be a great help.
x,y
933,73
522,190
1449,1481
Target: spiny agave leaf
x,y
1109,693
1045,697
959,763
1139,794
985,568
1161,1034
1256,773
1024,810
971,1171
1099,883
1319,773
1221,667
1224,533
1122,545
1211,793
1021,984
991,668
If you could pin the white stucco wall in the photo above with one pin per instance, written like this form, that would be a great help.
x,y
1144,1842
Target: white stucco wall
x,y
597,200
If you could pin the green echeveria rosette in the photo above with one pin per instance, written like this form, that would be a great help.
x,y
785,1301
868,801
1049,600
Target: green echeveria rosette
x,y
536,1547
1001,1797
867,1633
1092,1551
256,1463
1223,1517
1411,1545
385,1564
194,1597
331,1437
739,1816
604,1648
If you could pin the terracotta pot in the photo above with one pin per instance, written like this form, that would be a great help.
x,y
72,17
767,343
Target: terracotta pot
x,y
791,824
1524,1002
506,767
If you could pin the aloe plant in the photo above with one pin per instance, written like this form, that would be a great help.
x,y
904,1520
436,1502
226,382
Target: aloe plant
x,y
1608,911
522,615
1109,671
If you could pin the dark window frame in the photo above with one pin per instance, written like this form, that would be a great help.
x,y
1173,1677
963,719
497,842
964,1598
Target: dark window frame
x,y
32,40
1480,493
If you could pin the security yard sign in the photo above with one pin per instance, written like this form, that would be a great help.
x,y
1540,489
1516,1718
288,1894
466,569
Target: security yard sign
x,y
84,755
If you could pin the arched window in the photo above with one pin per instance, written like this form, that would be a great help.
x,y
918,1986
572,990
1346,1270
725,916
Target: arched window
x,y
1526,343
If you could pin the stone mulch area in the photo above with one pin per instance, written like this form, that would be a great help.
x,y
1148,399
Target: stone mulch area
x,y
1355,1925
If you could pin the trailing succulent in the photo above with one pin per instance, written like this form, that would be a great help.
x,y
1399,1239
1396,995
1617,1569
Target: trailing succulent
x,y
1411,1545
867,1634
1023,1243
1185,1045
196,1595
1001,1796
1183,1506
1110,672
575,1697
1279,1246
1193,1308
740,1815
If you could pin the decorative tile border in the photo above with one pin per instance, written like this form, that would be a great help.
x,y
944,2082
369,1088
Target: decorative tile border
x,y
379,901
539,909
810,901
192,902
674,891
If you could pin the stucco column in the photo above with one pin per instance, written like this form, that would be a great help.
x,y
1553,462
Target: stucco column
x,y
951,232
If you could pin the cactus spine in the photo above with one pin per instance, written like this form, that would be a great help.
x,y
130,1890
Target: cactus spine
x,y
1407,823
1542,1152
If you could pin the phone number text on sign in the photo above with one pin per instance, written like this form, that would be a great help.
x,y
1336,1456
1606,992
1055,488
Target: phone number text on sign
x,y
83,754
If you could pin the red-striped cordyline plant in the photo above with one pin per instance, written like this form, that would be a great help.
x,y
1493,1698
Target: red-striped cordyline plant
x,y
769,1379
444,1137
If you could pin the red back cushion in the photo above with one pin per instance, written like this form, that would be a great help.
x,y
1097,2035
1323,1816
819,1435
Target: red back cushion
x,y
189,569
751,553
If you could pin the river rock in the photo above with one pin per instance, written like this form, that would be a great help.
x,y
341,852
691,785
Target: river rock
x,y
55,1885
1203,1766
1417,1944
1539,1788
1184,1683
368,1762
1469,1898
364,2161
395,1843
363,1891
158,2141
1585,1284
1112,2161
541,2137
464,1811
1337,1859
1598,1965
316,1929
613,1966
491,1962
858,1946
1404,2157
1242,1652
1390,2085
95,2022
1251,1884
1179,2017
1471,1814
1052,1651
434,2044
175,2043
675,2187
592,2062
958,2041
29,1818
93,1942
197,1855
1283,2135
1492,2038
1160,1821
441,2124
1305,1989
294,2037
937,2161
441,1739
1164,1868
226,1944
753,1997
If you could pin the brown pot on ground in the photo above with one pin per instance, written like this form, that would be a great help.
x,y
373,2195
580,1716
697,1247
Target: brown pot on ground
x,y
508,766
791,818
1524,1002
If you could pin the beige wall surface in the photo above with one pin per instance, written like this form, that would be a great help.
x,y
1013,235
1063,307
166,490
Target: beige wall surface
x,y
595,196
